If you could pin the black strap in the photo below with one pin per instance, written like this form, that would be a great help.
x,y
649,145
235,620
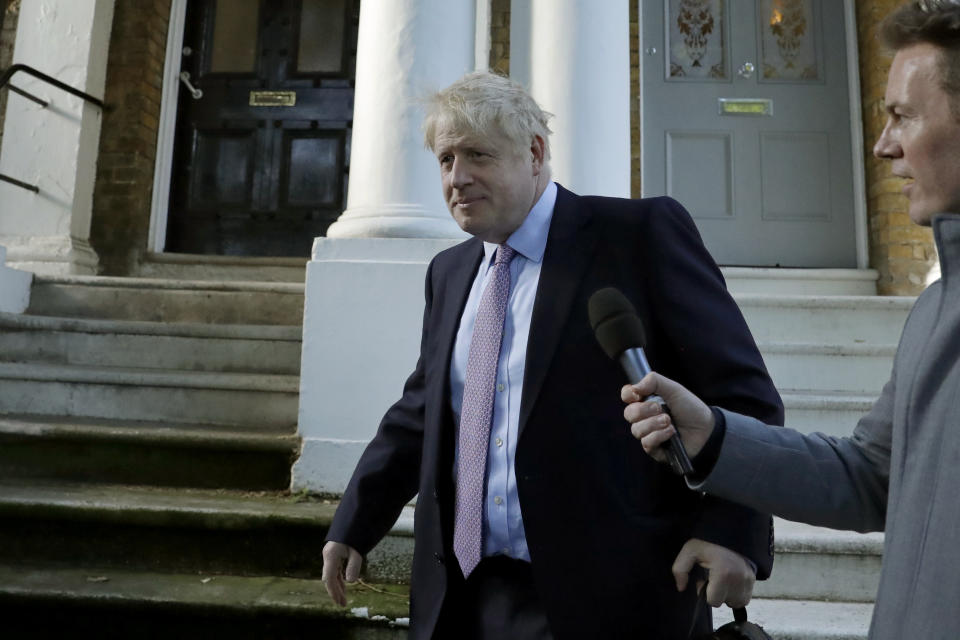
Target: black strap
x,y
739,613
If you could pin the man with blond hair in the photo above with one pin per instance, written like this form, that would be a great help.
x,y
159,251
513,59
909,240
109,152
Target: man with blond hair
x,y
900,470
538,515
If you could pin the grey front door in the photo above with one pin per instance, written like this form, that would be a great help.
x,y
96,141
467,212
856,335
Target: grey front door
x,y
746,121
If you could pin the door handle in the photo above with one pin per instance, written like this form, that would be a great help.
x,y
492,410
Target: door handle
x,y
746,70
185,79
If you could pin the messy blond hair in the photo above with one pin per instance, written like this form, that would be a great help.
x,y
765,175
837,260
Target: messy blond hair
x,y
484,103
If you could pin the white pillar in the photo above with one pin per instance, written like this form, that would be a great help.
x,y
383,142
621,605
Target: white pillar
x,y
364,288
54,148
574,55
405,49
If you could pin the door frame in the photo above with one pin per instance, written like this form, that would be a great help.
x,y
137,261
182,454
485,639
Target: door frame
x,y
856,125
163,167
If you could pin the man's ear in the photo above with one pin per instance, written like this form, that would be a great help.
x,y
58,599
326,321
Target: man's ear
x,y
537,148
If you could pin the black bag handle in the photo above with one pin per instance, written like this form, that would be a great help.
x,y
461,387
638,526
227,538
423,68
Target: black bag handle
x,y
740,625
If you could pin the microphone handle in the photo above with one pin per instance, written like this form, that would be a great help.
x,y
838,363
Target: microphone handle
x,y
634,363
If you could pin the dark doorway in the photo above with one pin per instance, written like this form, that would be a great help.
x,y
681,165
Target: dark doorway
x,y
261,158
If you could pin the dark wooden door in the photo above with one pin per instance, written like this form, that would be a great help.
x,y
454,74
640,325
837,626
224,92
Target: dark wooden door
x,y
261,159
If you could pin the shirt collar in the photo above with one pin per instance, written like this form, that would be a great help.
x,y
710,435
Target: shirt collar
x,y
530,239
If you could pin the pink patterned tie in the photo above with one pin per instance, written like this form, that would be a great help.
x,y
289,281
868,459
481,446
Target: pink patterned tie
x,y
476,412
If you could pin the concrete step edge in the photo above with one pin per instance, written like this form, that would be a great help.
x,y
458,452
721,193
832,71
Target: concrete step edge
x,y
271,594
192,259
161,507
23,322
806,619
292,288
796,537
170,434
866,303
828,400
79,374
870,349
779,273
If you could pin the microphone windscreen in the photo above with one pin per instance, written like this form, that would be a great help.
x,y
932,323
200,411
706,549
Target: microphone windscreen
x,y
615,322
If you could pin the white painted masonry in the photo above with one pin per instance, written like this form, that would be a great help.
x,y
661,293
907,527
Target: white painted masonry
x,y
364,286
56,147
14,287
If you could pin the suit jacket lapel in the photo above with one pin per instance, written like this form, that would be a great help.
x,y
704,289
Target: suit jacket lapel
x,y
570,247
452,296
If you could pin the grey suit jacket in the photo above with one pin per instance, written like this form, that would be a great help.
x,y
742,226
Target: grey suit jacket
x,y
899,472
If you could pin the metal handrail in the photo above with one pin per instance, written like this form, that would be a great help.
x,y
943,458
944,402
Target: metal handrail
x,y
5,78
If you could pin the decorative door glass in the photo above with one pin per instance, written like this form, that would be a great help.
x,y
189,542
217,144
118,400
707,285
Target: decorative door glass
x,y
697,40
788,42
321,36
235,28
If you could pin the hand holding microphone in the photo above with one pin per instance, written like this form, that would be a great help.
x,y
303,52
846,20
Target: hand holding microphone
x,y
620,333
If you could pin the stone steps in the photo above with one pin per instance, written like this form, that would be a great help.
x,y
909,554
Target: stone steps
x,y
192,266
159,345
805,282
145,453
249,399
59,602
159,300
813,563
159,529
856,368
832,413
825,319
806,620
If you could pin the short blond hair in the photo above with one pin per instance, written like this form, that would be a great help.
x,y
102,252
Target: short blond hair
x,y
484,103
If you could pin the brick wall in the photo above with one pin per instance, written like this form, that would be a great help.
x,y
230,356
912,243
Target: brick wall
x,y
900,250
11,11
500,36
128,140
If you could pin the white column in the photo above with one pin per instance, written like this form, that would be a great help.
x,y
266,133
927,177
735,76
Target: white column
x,y
54,148
574,55
405,49
364,288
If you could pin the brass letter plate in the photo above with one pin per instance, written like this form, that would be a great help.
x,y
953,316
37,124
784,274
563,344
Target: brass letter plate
x,y
273,98
745,107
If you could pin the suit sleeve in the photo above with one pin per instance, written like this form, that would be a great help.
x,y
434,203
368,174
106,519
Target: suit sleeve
x,y
386,477
712,352
841,483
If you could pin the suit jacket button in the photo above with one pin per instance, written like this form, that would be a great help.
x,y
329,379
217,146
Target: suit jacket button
x,y
436,494
439,558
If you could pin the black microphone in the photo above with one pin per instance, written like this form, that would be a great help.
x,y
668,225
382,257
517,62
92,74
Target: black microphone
x,y
620,333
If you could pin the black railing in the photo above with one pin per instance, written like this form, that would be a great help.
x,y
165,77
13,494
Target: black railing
x,y
5,79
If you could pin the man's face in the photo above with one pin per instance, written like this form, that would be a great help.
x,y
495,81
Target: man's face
x,y
489,185
922,135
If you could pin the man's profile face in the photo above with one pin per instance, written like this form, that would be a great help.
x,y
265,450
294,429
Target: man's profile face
x,y
489,185
922,134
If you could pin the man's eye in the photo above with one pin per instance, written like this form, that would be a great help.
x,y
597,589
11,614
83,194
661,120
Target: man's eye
x,y
446,159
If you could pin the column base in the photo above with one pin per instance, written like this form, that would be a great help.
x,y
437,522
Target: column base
x,y
362,323
394,221
51,255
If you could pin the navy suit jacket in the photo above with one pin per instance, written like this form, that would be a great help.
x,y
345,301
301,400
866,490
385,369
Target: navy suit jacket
x,y
603,521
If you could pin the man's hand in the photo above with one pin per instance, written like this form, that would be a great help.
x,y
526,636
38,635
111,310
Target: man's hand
x,y
334,555
652,427
730,577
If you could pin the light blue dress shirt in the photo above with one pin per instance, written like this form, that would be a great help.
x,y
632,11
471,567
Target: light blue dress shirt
x,y
503,531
